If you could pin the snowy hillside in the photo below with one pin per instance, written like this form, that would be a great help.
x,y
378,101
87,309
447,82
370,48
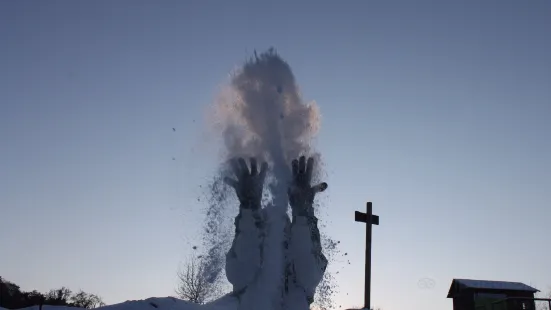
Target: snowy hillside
x,y
45,307
154,303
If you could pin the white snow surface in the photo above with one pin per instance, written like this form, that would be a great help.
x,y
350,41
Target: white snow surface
x,y
47,307
155,303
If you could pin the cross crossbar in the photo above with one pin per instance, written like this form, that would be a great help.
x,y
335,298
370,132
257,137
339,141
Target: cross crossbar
x,y
362,217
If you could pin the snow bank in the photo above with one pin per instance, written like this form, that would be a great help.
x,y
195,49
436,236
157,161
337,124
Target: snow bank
x,y
155,303
47,307
170,303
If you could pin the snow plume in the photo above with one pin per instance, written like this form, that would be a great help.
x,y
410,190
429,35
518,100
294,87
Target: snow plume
x,y
259,113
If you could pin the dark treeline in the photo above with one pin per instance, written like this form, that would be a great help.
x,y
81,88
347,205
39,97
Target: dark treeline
x,y
11,297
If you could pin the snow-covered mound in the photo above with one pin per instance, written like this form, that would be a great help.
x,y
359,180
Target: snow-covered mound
x,y
155,303
46,307
171,303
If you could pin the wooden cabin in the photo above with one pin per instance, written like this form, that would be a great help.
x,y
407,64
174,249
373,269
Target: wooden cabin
x,y
491,295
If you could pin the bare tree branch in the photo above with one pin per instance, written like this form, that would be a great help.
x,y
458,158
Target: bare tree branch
x,y
193,285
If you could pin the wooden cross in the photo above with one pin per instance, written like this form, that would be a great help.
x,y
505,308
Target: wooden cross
x,y
369,219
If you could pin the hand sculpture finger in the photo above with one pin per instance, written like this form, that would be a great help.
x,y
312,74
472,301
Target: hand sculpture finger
x,y
236,169
254,167
302,165
262,174
294,164
243,165
309,170
320,187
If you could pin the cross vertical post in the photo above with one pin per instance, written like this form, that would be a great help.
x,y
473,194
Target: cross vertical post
x,y
369,219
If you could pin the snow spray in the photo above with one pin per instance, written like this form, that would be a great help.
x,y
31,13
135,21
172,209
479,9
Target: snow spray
x,y
260,113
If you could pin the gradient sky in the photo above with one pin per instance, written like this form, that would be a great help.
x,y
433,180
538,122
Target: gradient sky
x,y
437,111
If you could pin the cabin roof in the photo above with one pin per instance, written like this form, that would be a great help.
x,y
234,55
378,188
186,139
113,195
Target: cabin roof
x,y
459,285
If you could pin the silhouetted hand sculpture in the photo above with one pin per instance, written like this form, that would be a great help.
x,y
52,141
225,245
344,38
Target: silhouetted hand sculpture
x,y
249,184
301,194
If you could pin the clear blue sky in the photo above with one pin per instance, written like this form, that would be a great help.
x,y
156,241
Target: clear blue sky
x,y
437,111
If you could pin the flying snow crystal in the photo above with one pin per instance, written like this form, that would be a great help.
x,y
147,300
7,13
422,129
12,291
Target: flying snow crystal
x,y
259,113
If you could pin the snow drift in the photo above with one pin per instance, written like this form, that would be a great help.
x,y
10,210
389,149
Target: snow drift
x,y
154,303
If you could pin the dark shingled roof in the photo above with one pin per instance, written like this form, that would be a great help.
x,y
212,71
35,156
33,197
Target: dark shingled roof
x,y
459,285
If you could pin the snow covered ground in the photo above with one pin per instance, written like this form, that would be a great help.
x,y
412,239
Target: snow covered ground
x,y
49,308
155,303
